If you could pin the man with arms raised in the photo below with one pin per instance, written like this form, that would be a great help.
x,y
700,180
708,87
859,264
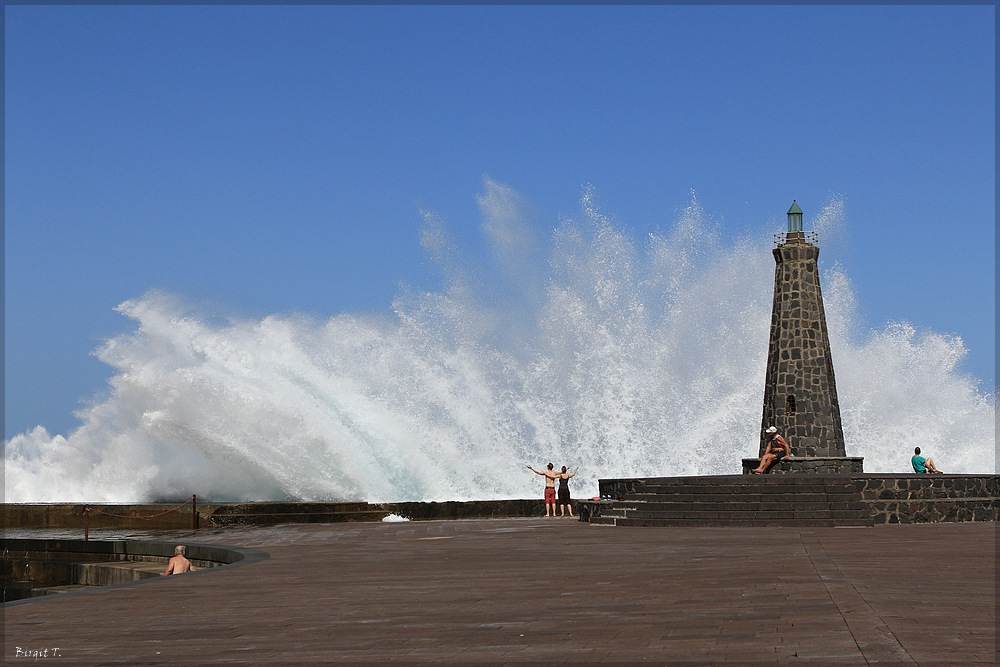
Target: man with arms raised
x,y
550,488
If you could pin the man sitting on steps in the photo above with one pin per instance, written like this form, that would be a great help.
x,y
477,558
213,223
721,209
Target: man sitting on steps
x,y
776,450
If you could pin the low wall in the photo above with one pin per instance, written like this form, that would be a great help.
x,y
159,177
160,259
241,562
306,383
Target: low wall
x,y
34,568
71,515
123,550
889,498
910,498
474,509
900,498
810,465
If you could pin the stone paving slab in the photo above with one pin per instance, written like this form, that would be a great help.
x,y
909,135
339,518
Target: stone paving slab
x,y
545,591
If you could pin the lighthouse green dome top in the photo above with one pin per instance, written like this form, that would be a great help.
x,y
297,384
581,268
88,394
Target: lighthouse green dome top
x,y
794,218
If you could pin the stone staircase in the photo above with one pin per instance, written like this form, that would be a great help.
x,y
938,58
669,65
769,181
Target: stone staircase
x,y
729,500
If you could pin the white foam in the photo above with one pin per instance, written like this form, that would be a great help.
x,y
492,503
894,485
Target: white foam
x,y
623,358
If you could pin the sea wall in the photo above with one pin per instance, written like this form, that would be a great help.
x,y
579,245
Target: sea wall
x,y
899,498
135,517
71,515
909,498
889,498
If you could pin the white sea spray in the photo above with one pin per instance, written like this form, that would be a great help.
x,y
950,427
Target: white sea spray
x,y
624,358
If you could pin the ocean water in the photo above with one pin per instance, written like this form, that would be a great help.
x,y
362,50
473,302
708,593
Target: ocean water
x,y
623,356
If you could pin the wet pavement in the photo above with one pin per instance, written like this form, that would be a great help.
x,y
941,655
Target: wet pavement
x,y
533,591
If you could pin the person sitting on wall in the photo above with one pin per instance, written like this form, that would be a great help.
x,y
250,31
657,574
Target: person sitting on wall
x,y
776,450
922,465
179,564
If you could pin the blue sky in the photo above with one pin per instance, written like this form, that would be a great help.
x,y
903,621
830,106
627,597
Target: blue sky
x,y
275,159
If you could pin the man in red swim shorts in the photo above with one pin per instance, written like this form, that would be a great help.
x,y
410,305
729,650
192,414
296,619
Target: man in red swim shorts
x,y
550,489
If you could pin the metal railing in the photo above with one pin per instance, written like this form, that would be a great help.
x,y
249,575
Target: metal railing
x,y
88,510
803,237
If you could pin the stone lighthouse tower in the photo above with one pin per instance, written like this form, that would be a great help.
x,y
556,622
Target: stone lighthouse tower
x,y
800,391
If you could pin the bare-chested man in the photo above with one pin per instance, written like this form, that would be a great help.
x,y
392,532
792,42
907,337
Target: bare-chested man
x,y
179,564
550,489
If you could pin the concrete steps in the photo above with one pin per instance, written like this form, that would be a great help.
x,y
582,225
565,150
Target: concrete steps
x,y
105,574
730,500
767,503
41,573
743,522
36,576
21,590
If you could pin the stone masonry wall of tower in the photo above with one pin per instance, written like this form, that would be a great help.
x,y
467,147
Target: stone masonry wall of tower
x,y
800,391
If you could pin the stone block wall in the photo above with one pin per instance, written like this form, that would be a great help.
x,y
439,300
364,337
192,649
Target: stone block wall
x,y
930,498
34,516
888,498
810,465
800,391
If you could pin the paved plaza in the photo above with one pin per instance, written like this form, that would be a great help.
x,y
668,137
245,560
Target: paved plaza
x,y
533,591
